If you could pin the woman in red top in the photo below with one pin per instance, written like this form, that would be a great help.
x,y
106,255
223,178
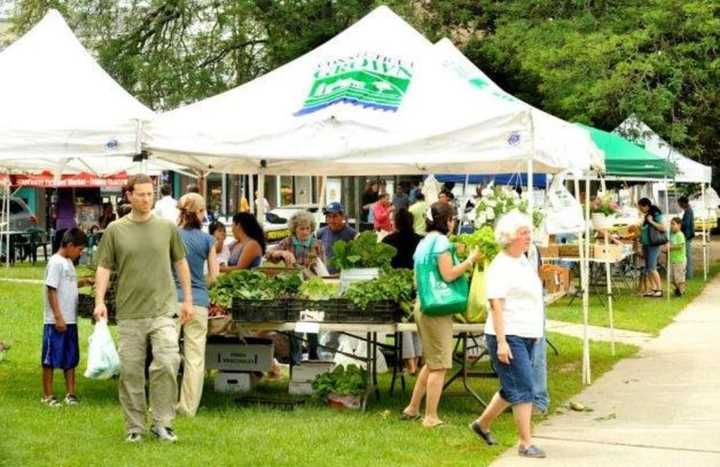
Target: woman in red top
x,y
382,213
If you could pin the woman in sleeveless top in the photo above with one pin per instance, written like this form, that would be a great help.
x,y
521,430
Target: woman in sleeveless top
x,y
248,250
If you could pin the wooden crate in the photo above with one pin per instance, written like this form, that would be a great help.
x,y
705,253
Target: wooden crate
x,y
550,251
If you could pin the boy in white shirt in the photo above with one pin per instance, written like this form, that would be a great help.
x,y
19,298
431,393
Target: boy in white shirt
x,y
60,349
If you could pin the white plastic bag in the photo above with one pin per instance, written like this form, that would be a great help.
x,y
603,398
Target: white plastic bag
x,y
563,213
103,360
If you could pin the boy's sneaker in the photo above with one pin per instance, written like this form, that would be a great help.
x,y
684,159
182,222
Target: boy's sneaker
x,y
164,433
71,399
133,438
50,401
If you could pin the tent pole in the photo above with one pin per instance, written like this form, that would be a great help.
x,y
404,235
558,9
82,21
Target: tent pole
x,y
6,212
581,255
586,289
667,213
358,212
251,193
321,195
608,277
261,197
704,239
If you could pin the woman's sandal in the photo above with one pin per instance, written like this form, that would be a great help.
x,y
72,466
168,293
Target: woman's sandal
x,y
405,417
438,424
486,436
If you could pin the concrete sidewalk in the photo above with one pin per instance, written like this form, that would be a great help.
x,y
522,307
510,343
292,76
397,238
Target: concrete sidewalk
x,y
599,333
659,409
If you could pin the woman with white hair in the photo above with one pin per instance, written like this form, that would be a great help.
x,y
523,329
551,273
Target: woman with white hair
x,y
514,325
301,247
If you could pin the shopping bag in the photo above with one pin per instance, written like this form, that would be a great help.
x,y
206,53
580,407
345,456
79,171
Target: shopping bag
x,y
563,213
103,360
437,297
477,299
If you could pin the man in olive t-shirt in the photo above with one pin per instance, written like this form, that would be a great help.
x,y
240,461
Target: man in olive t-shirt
x,y
142,249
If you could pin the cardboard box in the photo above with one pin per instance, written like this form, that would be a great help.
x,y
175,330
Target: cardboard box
x,y
231,382
550,251
297,388
555,278
233,354
306,372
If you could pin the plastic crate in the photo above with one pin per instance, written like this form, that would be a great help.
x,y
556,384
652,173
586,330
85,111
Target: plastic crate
x,y
257,311
377,312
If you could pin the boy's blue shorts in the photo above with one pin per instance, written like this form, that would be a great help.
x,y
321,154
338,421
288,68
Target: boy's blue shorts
x,y
60,349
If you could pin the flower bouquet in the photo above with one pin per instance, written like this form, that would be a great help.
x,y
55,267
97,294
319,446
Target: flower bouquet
x,y
498,200
603,211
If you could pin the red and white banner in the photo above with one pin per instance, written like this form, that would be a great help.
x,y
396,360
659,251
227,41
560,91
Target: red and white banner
x,y
47,179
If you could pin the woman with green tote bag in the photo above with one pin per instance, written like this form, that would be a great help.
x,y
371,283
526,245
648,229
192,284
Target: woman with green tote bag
x,y
435,330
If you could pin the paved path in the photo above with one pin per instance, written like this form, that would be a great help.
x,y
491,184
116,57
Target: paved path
x,y
21,281
599,333
660,409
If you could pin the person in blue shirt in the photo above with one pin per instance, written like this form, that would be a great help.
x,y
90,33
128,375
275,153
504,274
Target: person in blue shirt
x,y
335,230
200,251
688,229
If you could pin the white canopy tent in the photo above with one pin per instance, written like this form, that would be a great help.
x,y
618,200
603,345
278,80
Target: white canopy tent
x,y
552,134
58,102
373,100
689,171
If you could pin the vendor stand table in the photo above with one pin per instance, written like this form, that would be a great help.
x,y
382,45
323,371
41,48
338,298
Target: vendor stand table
x,y
367,332
624,262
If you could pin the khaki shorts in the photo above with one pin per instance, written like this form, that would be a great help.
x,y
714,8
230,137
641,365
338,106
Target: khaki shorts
x,y
436,335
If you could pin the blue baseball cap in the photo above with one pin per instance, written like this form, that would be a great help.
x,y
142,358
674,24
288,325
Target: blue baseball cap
x,y
334,208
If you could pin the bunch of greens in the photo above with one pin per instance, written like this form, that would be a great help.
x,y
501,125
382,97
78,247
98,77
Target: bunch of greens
x,y
251,285
318,289
396,285
496,201
343,381
483,239
363,252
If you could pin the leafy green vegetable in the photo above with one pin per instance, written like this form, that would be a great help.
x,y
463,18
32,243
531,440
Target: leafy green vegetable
x,y
396,285
251,285
343,381
363,252
483,239
318,289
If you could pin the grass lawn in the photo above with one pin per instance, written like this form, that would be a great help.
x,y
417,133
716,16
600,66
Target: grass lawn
x,y
631,311
226,434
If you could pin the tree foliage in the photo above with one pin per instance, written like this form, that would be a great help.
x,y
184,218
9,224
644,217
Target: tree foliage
x,y
592,61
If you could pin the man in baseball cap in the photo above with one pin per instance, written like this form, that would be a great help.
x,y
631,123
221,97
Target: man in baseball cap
x,y
336,229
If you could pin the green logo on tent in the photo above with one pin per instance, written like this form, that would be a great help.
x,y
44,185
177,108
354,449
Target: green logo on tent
x,y
478,83
373,81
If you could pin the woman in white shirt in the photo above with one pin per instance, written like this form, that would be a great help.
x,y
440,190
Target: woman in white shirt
x,y
515,323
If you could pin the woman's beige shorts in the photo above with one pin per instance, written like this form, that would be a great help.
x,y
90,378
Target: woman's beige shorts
x,y
436,334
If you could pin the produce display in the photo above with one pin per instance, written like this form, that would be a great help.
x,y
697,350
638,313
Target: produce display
x,y
342,381
252,296
483,239
252,285
317,289
363,252
396,286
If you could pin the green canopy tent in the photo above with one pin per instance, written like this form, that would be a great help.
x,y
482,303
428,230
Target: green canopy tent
x,y
627,160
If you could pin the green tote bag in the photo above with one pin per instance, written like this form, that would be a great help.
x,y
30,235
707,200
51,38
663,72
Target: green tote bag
x,y
437,297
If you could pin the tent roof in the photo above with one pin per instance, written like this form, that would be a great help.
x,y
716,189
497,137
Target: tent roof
x,y
552,134
688,170
623,158
373,100
58,102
